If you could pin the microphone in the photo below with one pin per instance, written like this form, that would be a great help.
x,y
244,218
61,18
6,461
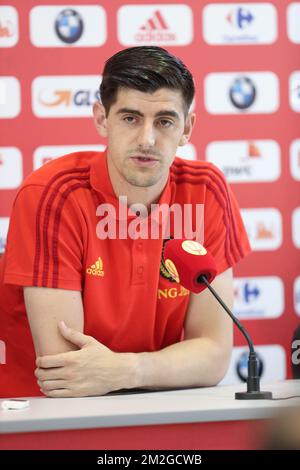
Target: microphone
x,y
190,264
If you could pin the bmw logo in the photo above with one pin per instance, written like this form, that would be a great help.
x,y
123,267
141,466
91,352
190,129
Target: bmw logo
x,y
242,366
242,93
69,26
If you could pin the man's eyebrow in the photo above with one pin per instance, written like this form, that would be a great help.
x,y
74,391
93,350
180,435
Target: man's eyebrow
x,y
130,111
166,112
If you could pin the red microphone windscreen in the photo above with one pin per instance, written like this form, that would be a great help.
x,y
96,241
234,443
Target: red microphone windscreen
x,y
186,260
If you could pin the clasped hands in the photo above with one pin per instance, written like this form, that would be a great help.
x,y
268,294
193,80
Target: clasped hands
x,y
92,370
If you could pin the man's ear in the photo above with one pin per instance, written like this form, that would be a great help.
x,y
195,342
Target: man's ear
x,y
188,127
100,120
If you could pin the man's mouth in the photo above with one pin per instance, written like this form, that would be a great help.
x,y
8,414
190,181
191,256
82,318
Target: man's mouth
x,y
144,160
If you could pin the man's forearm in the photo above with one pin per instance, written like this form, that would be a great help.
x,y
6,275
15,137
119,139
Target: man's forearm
x,y
194,362
94,369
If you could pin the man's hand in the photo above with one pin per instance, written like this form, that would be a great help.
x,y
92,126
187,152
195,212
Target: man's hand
x,y
92,370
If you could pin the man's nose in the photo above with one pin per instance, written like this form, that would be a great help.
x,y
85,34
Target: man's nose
x,y
146,136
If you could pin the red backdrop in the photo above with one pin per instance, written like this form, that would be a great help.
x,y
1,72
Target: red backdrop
x,y
27,131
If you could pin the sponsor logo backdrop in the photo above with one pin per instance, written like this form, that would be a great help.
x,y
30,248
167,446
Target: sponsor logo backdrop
x,y
245,58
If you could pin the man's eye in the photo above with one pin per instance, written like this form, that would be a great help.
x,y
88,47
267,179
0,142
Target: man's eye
x,y
165,123
129,119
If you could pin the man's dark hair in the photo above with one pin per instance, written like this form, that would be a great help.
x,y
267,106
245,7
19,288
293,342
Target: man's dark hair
x,y
145,68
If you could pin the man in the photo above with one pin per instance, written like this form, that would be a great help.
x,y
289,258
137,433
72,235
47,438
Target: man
x,y
104,313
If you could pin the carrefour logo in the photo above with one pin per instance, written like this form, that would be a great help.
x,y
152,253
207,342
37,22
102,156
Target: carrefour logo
x,y
249,23
240,18
252,298
65,96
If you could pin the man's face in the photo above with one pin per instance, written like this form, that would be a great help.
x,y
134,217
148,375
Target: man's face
x,y
143,131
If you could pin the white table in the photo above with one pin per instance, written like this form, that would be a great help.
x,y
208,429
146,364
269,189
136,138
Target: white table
x,y
189,418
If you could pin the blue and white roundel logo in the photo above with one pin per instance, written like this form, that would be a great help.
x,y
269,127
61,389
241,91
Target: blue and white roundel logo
x,y
69,26
242,93
242,366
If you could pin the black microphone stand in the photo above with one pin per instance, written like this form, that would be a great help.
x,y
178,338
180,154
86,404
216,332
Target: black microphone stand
x,y
253,385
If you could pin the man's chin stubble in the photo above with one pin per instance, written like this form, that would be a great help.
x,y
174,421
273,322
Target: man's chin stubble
x,y
140,183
